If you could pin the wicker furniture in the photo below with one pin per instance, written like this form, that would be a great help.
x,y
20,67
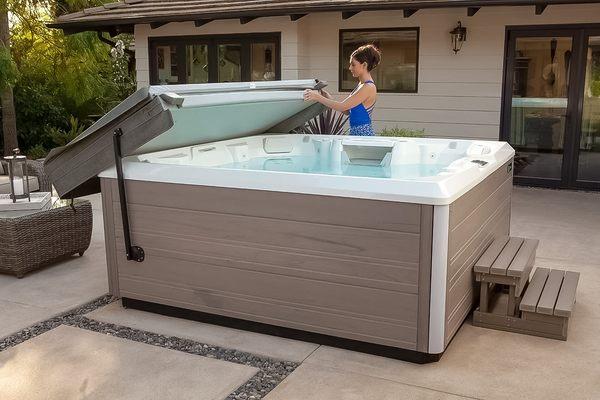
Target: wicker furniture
x,y
38,180
33,239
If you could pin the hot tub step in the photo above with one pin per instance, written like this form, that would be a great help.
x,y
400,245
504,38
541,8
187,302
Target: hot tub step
x,y
544,309
550,299
507,262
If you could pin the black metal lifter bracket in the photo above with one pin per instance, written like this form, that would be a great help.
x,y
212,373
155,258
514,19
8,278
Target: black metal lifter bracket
x,y
135,253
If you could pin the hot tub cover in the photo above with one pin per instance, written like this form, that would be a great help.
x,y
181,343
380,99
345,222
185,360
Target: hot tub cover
x,y
170,116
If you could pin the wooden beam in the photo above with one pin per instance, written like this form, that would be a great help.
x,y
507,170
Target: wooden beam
x,y
200,22
408,12
154,25
296,17
349,14
245,20
539,8
472,11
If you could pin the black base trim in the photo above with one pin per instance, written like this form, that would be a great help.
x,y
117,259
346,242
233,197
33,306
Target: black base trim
x,y
290,333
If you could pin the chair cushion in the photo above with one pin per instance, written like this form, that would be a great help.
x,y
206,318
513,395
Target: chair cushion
x,y
5,184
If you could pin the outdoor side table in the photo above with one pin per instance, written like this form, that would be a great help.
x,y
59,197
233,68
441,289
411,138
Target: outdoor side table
x,y
33,239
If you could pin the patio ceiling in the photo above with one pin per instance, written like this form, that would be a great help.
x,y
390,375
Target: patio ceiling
x,y
122,16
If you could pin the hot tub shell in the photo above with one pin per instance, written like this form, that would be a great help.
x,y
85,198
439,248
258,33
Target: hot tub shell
x,y
369,265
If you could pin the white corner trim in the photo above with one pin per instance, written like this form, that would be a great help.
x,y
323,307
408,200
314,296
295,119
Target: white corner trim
x,y
439,267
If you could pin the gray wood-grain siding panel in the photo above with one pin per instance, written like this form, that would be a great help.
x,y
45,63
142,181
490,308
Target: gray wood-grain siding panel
x,y
109,237
402,217
347,267
476,219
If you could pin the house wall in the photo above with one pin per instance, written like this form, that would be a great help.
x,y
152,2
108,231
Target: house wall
x,y
459,96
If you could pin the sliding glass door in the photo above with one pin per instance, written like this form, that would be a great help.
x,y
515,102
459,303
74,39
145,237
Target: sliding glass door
x,y
588,163
551,105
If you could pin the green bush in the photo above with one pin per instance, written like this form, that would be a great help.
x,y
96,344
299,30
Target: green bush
x,y
595,86
39,108
401,132
61,137
37,151
8,69
64,82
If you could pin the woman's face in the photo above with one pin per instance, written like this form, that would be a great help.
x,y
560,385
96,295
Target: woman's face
x,y
356,68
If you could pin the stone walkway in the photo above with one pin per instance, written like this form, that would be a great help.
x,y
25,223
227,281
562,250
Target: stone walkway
x,y
103,351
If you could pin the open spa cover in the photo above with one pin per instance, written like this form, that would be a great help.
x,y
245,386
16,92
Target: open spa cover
x,y
165,117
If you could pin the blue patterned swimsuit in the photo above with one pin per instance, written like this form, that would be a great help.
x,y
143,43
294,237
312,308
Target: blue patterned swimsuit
x,y
360,118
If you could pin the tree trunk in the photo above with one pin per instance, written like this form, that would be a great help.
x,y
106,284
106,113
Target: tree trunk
x,y
9,118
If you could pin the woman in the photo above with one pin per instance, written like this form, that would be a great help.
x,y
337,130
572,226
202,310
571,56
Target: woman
x,y
362,100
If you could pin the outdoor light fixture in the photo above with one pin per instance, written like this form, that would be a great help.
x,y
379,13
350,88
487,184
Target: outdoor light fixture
x,y
459,36
17,173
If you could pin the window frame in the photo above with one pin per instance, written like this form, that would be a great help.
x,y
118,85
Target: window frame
x,y
341,62
212,41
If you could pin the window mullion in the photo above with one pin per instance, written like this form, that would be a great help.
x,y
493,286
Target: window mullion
x,y
213,59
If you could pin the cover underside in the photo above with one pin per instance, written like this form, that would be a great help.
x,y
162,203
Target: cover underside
x,y
164,117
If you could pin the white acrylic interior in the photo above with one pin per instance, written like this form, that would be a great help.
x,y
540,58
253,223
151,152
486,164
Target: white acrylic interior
x,y
197,165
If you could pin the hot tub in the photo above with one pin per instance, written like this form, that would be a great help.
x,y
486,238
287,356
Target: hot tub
x,y
365,243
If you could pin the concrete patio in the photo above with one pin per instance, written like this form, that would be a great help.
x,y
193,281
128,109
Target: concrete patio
x,y
104,351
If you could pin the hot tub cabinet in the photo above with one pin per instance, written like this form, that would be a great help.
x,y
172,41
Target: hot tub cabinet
x,y
374,259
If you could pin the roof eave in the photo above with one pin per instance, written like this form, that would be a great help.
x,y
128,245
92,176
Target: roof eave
x,y
127,24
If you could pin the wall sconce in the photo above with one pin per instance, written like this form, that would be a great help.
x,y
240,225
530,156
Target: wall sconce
x,y
459,36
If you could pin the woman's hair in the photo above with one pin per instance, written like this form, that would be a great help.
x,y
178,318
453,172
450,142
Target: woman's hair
x,y
367,54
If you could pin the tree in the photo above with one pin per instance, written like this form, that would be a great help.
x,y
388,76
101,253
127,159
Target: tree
x,y
64,82
9,118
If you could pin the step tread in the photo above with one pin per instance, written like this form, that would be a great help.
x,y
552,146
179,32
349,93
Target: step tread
x,y
550,292
566,298
506,256
523,261
488,257
533,292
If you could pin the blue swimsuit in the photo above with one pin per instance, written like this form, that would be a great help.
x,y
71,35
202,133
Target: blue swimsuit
x,y
360,118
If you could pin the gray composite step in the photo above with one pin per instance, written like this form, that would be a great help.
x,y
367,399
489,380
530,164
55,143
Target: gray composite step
x,y
551,292
508,256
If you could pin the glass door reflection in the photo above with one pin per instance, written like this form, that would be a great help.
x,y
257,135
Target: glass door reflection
x,y
230,62
588,169
540,89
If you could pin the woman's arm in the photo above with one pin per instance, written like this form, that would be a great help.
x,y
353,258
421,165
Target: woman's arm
x,y
351,101
328,96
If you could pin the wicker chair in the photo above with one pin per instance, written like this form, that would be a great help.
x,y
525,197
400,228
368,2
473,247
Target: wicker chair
x,y
34,168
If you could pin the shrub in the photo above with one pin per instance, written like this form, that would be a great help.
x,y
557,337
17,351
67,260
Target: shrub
x,y
8,69
402,132
329,122
37,151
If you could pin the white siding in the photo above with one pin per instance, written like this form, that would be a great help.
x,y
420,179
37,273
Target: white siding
x,y
458,95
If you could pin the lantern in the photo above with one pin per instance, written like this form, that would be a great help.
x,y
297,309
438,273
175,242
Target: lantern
x,y
17,173
459,36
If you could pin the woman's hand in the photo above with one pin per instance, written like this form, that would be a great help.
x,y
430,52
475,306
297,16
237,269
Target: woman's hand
x,y
312,95
325,94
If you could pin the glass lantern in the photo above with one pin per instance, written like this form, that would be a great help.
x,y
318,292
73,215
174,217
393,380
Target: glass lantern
x,y
18,176
459,36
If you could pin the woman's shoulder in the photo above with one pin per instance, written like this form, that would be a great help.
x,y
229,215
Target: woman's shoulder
x,y
369,86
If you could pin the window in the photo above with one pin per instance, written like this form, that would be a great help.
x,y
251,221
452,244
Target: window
x,y
215,58
196,58
167,64
397,71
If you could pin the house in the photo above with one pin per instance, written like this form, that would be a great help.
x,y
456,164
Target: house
x,y
528,71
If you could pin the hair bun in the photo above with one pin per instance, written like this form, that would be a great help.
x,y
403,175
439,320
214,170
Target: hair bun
x,y
369,54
